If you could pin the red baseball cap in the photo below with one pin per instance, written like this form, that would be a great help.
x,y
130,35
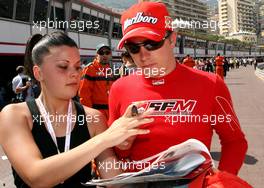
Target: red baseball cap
x,y
150,20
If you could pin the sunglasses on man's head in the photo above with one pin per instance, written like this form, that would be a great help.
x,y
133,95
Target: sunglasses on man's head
x,y
104,52
150,45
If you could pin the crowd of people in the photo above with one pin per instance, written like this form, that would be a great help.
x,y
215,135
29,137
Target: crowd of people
x,y
25,88
210,65
46,152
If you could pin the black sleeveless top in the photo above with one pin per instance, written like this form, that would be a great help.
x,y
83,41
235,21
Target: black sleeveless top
x,y
47,147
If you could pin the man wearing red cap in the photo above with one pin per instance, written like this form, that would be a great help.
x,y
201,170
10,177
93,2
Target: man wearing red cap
x,y
176,92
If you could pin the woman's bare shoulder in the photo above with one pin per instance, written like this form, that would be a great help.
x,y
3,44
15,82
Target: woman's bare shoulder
x,y
15,110
14,117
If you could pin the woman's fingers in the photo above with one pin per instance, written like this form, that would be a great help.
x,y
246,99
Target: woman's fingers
x,y
128,112
126,126
146,113
139,121
133,132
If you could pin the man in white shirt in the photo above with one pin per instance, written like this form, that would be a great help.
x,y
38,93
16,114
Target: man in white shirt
x,y
21,86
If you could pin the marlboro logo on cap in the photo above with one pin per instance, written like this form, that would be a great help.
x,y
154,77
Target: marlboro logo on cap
x,y
150,20
140,18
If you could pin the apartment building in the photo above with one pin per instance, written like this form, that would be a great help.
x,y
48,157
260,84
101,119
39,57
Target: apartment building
x,y
236,16
260,21
193,11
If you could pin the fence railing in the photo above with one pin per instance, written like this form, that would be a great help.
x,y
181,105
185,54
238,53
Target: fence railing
x,y
260,70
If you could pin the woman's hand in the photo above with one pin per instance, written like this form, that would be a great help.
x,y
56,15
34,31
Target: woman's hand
x,y
126,126
126,145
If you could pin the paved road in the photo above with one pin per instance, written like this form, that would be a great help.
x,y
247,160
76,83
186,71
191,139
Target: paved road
x,y
248,96
6,178
247,92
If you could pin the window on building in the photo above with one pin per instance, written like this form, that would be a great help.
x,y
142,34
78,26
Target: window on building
x,y
229,48
75,17
23,10
101,28
178,41
220,46
86,18
212,46
106,27
93,30
6,8
41,9
57,16
117,30
201,44
189,43
120,35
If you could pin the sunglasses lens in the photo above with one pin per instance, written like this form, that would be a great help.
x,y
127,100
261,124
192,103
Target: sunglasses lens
x,y
132,48
104,52
153,45
149,45
107,52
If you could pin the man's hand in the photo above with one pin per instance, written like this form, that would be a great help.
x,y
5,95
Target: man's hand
x,y
28,84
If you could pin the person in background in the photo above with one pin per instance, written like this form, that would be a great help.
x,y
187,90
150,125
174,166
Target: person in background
x,y
255,63
128,66
219,66
3,101
97,79
188,61
225,66
21,86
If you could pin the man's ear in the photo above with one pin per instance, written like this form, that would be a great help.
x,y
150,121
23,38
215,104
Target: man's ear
x,y
173,39
37,73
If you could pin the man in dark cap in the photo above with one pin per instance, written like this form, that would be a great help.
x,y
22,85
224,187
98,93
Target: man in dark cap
x,y
97,78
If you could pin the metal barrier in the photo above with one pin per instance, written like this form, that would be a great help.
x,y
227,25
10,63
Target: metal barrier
x,y
260,70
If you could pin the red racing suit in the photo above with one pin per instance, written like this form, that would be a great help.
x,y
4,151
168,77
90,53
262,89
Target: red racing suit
x,y
188,104
95,86
219,66
189,62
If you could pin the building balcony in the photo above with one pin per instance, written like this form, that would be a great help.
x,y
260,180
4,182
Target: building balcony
x,y
191,13
245,3
190,8
192,3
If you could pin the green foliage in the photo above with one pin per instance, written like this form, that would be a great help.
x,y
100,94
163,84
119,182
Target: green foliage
x,y
215,38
